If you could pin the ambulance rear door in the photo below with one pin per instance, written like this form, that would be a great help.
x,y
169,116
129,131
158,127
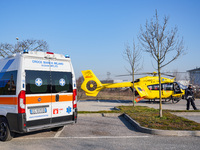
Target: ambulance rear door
x,y
37,80
62,90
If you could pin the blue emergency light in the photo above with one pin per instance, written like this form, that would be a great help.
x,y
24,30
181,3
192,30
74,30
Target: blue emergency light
x,y
67,56
25,51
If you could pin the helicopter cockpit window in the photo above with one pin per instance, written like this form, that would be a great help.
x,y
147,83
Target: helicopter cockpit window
x,y
150,87
156,87
177,88
153,87
182,86
167,86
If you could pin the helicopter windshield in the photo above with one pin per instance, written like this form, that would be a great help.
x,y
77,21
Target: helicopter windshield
x,y
182,86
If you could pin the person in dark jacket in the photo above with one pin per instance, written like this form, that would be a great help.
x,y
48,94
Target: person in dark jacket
x,y
189,94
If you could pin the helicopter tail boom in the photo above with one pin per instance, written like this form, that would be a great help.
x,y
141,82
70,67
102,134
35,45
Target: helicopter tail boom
x,y
92,85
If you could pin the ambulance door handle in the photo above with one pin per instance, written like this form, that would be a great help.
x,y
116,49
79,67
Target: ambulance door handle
x,y
57,98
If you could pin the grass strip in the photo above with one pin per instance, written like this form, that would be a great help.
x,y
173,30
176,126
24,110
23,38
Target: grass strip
x,y
149,117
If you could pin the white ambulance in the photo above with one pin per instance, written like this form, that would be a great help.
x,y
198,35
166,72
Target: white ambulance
x,y
37,91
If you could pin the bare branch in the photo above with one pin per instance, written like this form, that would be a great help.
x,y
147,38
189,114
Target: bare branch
x,y
159,42
132,57
29,44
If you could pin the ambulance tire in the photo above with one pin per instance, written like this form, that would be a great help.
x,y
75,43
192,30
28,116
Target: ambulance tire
x,y
57,129
5,134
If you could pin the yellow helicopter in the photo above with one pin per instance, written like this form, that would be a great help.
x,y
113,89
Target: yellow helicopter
x,y
145,88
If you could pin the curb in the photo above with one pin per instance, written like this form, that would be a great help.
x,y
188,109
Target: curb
x,y
160,132
186,113
100,115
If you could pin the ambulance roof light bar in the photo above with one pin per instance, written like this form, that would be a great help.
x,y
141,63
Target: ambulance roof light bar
x,y
25,51
49,53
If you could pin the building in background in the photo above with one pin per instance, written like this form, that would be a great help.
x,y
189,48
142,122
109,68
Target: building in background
x,y
194,76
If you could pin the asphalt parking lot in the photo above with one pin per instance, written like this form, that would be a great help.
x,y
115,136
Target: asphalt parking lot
x,y
89,125
97,131
92,127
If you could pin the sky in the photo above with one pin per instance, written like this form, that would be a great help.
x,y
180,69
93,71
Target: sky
x,y
94,32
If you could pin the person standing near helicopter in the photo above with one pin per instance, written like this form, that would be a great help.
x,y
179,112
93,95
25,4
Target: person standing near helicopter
x,y
189,94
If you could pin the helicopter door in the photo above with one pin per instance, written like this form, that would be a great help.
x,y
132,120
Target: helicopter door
x,y
140,91
177,89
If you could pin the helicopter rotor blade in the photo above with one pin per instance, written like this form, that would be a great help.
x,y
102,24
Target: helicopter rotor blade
x,y
123,75
150,73
168,75
142,73
127,75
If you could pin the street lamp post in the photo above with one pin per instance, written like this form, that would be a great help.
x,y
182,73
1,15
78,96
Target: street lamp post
x,y
16,50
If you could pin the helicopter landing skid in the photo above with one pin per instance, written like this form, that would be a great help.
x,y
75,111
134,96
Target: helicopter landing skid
x,y
173,99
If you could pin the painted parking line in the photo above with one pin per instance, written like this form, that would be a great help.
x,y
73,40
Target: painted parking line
x,y
59,132
104,137
93,137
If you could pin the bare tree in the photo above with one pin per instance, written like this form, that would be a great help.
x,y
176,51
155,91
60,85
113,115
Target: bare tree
x,y
160,43
133,57
7,49
177,75
79,82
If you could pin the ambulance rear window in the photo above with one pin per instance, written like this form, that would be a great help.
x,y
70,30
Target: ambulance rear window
x,y
61,82
41,82
37,82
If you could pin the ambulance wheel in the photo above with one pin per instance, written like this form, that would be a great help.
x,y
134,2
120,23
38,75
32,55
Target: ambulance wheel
x,y
57,129
5,134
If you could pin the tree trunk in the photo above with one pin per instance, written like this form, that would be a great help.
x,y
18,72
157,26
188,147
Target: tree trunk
x,y
133,91
160,96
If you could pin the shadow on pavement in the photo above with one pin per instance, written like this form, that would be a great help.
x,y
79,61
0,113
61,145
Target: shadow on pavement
x,y
41,133
127,124
129,101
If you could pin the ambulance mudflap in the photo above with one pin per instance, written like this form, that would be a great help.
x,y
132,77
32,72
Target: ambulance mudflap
x,y
43,96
